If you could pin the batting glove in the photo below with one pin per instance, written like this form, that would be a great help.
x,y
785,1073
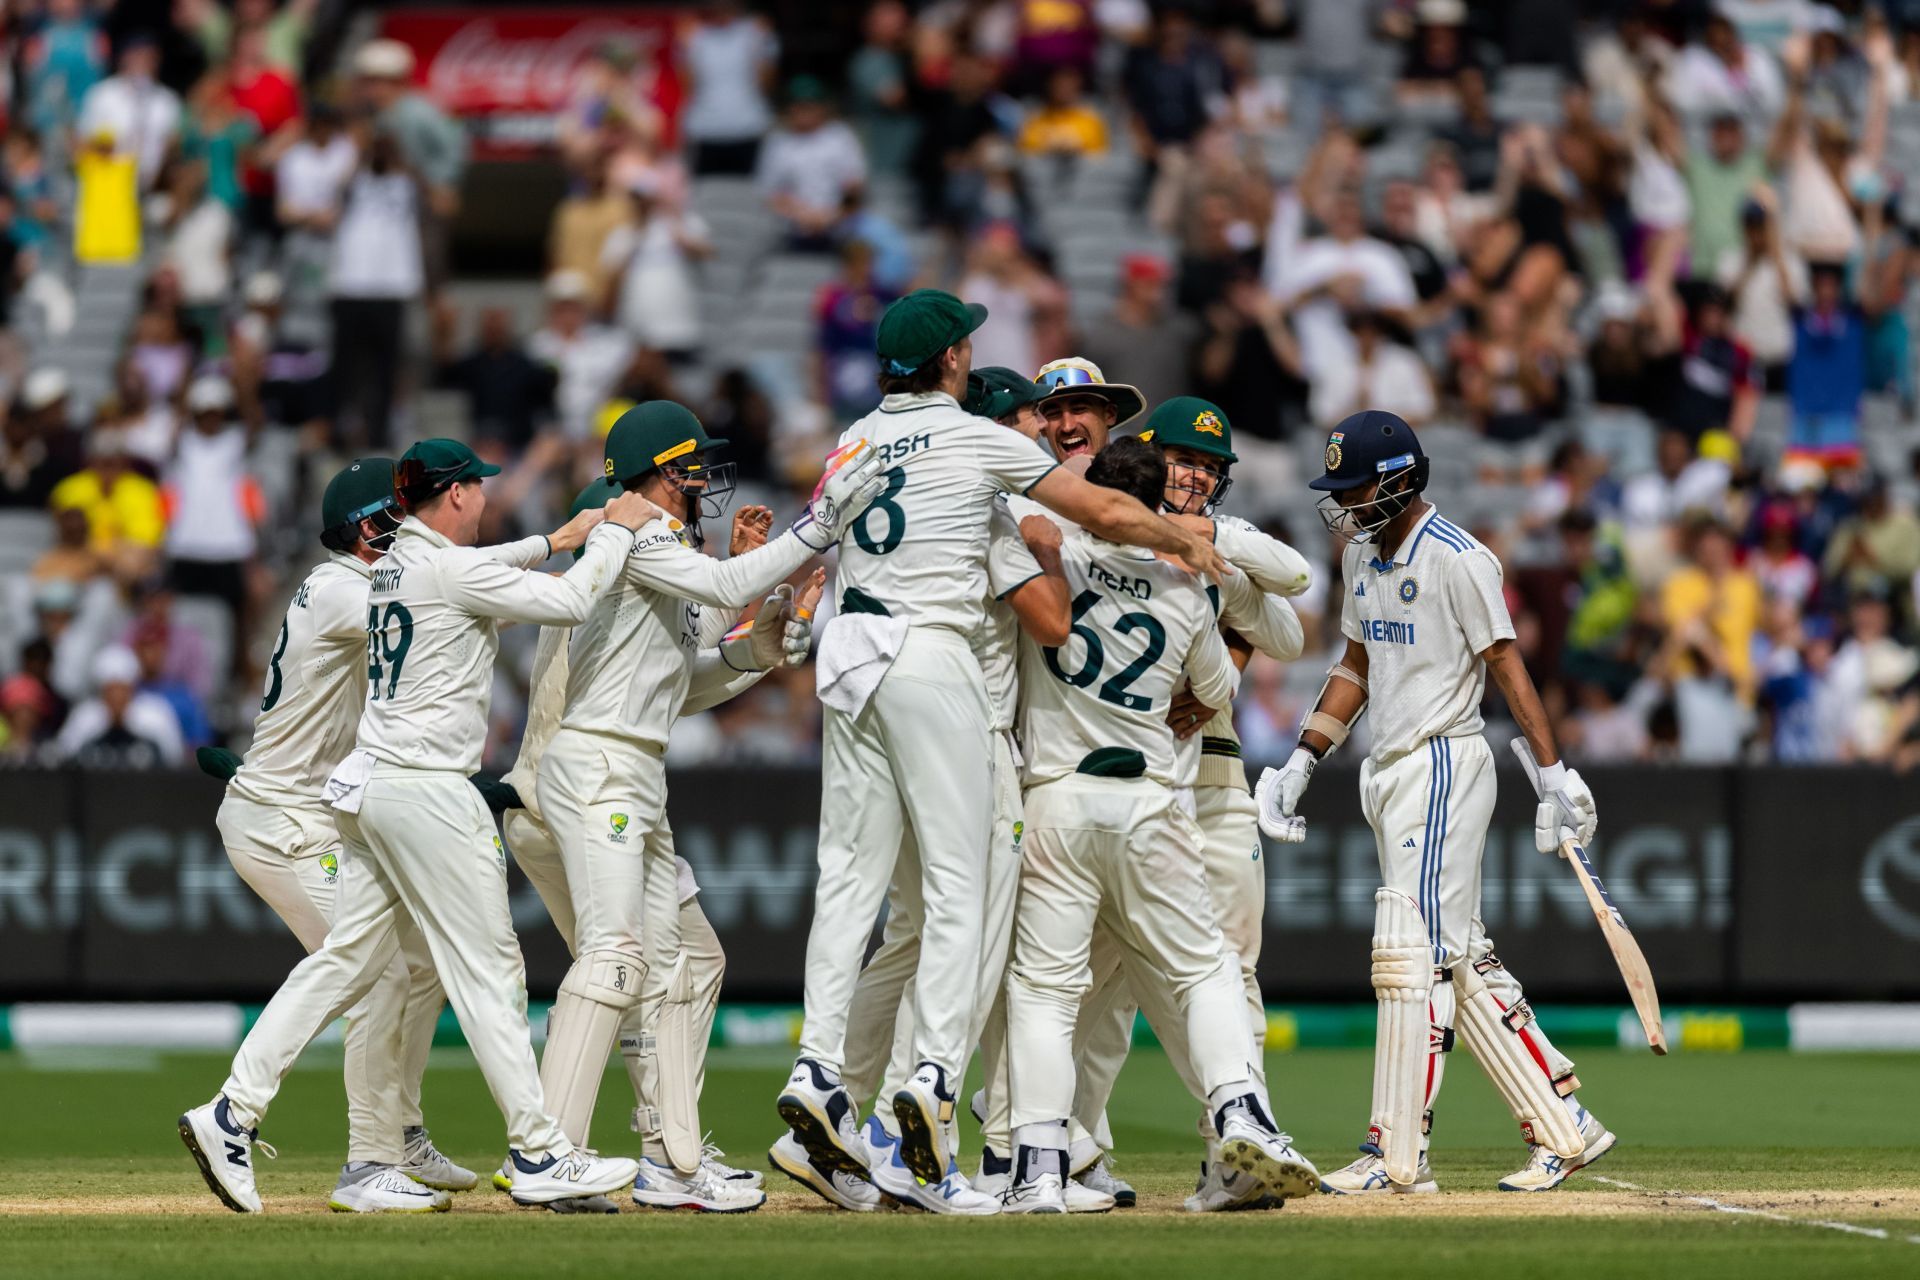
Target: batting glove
x,y
1278,795
853,479
1566,810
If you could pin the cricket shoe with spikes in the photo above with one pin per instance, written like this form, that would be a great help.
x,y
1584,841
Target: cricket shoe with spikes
x,y
817,1109
224,1151
1545,1170
383,1188
952,1194
661,1187
924,1108
1100,1179
841,1190
423,1162
577,1173
1251,1143
1367,1176
1223,1189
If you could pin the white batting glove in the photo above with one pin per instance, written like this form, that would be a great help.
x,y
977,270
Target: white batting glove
x,y
1566,810
1278,795
853,478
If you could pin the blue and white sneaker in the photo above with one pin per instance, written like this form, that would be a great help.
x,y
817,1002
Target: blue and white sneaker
x,y
714,1161
820,1114
1545,1170
841,1190
1367,1176
924,1108
1100,1179
660,1187
952,1194
224,1152
577,1173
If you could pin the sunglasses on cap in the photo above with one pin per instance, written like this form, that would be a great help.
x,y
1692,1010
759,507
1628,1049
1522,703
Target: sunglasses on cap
x,y
1069,376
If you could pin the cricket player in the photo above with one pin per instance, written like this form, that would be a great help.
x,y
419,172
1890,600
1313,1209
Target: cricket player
x,y
1082,409
907,740
633,665
283,842
1109,843
419,850
1426,624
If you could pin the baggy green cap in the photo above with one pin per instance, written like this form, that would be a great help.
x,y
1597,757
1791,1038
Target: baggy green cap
x,y
1191,423
596,495
432,466
996,391
920,326
651,435
364,487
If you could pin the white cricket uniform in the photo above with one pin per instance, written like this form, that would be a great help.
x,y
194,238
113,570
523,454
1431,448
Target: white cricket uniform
x,y
1426,616
283,842
421,846
1107,842
879,1053
919,758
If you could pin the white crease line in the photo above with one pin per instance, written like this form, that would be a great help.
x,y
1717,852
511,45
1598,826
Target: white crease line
x,y
1707,1202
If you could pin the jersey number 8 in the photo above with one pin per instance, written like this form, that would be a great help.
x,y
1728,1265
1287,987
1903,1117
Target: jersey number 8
x,y
1116,689
388,640
895,514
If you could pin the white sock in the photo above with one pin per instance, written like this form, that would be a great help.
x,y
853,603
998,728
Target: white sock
x,y
1226,1093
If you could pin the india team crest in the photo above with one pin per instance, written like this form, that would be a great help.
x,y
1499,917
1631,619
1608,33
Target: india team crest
x,y
1209,423
1333,450
1409,590
330,866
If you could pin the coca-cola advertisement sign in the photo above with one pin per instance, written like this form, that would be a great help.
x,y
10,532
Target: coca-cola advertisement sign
x,y
513,74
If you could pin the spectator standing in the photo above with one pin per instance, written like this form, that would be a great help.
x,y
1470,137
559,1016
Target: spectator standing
x,y
1827,373
1715,387
1320,279
1476,136
1721,179
430,144
1024,304
879,77
37,447
809,165
1786,573
124,513
106,212
148,640
120,726
1714,589
1875,549
728,57
956,125
1169,83
141,114
377,269
63,61
1721,73
217,140
310,183
35,212
1064,124
284,28
265,94
582,221
588,359
1143,336
846,318
216,507
1381,375
648,261
199,247
1884,276
1333,38
508,392
1766,280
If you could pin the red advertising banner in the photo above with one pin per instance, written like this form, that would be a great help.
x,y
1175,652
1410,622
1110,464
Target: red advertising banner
x,y
511,74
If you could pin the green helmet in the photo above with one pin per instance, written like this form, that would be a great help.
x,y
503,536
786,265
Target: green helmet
x,y
996,391
362,490
596,495
1188,422
661,435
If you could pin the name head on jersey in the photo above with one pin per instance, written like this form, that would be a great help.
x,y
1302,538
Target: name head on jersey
x,y
1374,470
920,328
362,490
664,437
1134,467
431,467
1198,443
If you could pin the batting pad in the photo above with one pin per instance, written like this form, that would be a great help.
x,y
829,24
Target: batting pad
x,y
599,988
663,1062
1493,1033
1402,983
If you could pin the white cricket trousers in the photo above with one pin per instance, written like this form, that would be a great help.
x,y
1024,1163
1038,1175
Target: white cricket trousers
x,y
291,858
1121,854
879,1052
1430,810
420,855
918,759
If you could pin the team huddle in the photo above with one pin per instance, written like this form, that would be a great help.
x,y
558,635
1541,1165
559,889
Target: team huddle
x,y
1029,759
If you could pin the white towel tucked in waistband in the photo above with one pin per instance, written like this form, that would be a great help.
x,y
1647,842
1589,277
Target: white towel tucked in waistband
x,y
856,650
347,785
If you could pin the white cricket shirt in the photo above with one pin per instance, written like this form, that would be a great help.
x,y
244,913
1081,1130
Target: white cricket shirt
x,y
1010,566
1425,616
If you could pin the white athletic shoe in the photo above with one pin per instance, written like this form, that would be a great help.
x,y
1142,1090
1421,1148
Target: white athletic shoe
x,y
661,1187
224,1152
887,1167
924,1108
713,1160
978,1105
578,1173
1102,1179
1043,1194
423,1163
820,1114
1082,1198
382,1188
1367,1176
1223,1189
1247,1144
841,1190
1544,1170
995,1175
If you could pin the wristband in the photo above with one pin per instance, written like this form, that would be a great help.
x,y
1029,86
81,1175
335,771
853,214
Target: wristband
x,y
1553,777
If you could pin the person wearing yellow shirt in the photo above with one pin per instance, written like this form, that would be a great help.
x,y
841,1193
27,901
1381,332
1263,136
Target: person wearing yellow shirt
x,y
126,521
1065,124
1712,588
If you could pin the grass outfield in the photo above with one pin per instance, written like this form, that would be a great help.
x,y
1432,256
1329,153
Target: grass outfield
x,y
1741,1165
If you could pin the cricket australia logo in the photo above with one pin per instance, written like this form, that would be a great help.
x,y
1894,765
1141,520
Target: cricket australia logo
x,y
330,866
1019,830
1409,591
1209,423
1333,450
500,854
617,828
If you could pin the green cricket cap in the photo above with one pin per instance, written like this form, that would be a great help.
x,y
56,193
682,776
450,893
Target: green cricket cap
x,y
651,435
435,465
996,391
920,326
1191,423
362,488
596,495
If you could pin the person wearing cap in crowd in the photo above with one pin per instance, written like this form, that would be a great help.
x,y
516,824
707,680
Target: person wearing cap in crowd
x,y
1196,441
431,143
377,268
1081,409
214,505
1426,623
124,509
419,852
37,447
808,165
1144,333
120,726
141,114
908,746
647,263
634,662
284,843
587,358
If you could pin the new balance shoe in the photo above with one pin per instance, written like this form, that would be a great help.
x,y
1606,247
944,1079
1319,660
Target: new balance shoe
x,y
382,1188
1101,1179
423,1163
1367,1176
661,1187
1250,1143
841,1190
577,1173
503,1176
952,1194
924,1108
820,1114
1545,1170
224,1152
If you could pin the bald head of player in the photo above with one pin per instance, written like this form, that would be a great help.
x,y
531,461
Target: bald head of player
x,y
359,511
1132,466
438,483
925,344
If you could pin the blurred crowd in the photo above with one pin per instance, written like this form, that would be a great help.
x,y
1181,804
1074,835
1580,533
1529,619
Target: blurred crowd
x,y
1640,272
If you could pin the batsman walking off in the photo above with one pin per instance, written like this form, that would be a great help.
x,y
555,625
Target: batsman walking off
x,y
1426,624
